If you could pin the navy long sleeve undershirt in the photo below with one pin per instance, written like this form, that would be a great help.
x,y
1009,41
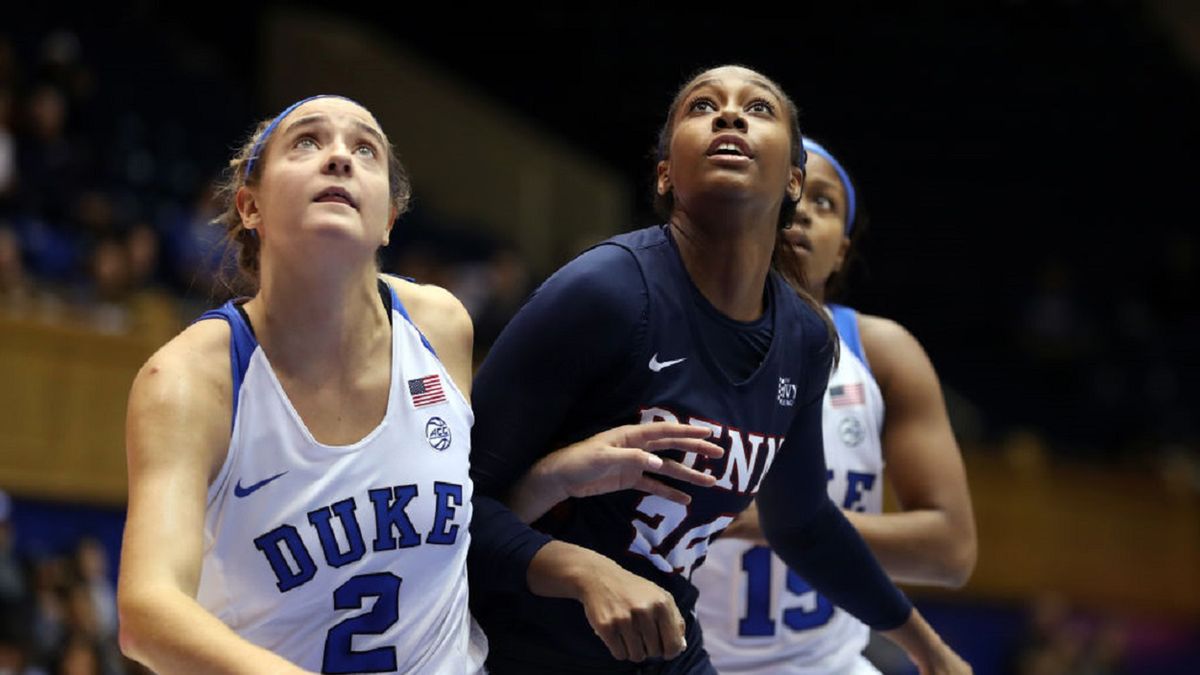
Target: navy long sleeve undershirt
x,y
569,365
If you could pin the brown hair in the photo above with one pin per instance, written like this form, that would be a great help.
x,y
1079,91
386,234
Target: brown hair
x,y
784,260
245,242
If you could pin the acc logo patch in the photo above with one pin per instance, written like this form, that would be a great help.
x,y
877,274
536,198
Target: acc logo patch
x,y
437,432
850,430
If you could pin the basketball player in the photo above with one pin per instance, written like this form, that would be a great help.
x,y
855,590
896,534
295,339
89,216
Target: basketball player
x,y
682,322
758,616
299,495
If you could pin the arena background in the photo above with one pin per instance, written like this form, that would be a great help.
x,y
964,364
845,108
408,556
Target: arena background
x,y
1028,169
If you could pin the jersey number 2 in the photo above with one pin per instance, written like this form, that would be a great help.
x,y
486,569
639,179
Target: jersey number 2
x,y
814,609
339,655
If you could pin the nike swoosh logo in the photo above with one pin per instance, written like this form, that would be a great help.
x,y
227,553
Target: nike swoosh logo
x,y
239,491
657,365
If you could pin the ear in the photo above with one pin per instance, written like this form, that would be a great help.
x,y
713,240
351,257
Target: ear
x,y
393,214
795,184
843,249
663,184
247,206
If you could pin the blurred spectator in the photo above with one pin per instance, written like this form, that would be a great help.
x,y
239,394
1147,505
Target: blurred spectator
x,y
16,289
508,285
1057,643
8,149
49,621
79,657
14,587
104,300
95,579
50,165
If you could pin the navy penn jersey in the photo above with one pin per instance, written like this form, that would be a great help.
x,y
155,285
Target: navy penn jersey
x,y
616,337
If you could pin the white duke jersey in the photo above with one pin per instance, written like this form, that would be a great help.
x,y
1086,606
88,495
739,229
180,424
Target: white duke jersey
x,y
351,558
757,615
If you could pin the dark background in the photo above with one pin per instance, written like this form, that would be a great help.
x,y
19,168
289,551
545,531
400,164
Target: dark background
x,y
1028,170
1027,167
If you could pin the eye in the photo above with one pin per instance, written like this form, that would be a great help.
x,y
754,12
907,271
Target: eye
x,y
761,106
366,150
824,203
306,143
702,104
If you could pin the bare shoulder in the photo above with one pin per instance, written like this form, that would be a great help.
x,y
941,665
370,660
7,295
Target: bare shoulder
x,y
882,330
896,356
184,391
888,344
444,321
200,352
434,310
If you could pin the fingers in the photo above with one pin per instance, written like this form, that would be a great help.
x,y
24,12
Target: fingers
x,y
647,628
686,474
639,434
671,629
698,446
611,636
647,484
633,641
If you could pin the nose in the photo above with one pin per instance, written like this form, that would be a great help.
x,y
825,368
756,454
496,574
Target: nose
x,y
802,217
338,163
729,118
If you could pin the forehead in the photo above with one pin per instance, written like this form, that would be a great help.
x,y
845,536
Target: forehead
x,y
731,77
336,109
819,170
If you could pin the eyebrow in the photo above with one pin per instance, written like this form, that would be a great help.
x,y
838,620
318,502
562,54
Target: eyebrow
x,y
817,181
762,84
310,120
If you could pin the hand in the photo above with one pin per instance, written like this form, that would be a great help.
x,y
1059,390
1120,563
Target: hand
x,y
634,617
926,649
620,458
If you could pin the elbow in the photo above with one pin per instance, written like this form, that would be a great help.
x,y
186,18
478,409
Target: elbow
x,y
131,631
959,562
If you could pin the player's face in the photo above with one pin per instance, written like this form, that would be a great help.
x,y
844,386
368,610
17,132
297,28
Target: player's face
x,y
325,172
818,230
732,139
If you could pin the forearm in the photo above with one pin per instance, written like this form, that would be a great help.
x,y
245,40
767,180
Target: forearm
x,y
502,547
922,546
560,570
924,646
828,553
535,493
169,632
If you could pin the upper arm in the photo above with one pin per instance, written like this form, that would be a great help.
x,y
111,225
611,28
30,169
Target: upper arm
x,y
177,435
924,465
795,487
443,321
580,325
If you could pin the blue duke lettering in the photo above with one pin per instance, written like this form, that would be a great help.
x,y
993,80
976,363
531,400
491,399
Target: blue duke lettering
x,y
294,565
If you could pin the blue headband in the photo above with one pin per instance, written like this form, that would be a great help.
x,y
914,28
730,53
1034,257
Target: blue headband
x,y
266,134
851,202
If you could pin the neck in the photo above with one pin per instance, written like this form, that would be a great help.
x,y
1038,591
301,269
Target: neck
x,y
314,323
727,253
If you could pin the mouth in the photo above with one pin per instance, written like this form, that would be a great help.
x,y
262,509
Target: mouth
x,y
730,145
336,195
799,240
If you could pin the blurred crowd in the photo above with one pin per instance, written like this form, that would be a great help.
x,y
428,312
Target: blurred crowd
x,y
58,611
105,211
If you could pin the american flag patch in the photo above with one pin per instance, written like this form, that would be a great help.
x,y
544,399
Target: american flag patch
x,y
846,394
426,390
